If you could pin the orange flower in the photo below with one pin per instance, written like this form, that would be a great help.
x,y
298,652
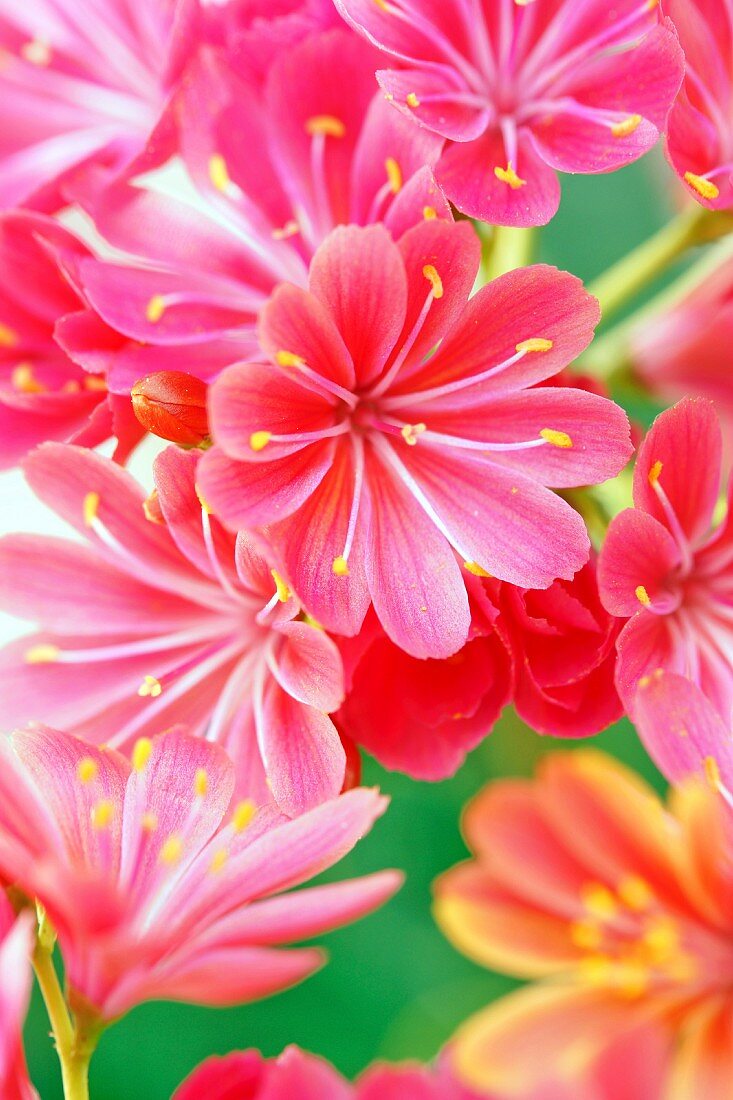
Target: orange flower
x,y
624,907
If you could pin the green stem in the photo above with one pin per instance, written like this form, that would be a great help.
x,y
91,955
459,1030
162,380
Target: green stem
x,y
75,1043
505,249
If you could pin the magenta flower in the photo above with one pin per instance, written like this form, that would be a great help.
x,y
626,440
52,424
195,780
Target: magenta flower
x,y
16,945
700,133
374,463
662,566
158,886
275,170
522,89
164,617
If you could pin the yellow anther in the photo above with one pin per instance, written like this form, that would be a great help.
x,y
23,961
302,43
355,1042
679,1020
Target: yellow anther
x,y
626,126
655,473
557,439
141,753
201,783
243,814
642,595
328,125
509,176
394,175
283,592
202,501
93,383
661,940
635,893
586,934
412,101
536,343
596,970
712,772
523,3
476,569
36,52
8,336
598,900
87,770
172,850
218,860
102,814
151,510
410,432
290,229
706,189
434,279
24,380
631,979
149,822
155,309
289,359
219,173
259,440
340,567
90,508
42,654
150,688
645,681
429,213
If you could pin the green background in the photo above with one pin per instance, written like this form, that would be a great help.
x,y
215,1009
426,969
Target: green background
x,y
393,988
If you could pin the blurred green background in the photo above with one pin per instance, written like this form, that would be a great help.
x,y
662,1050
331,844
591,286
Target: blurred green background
x,y
393,988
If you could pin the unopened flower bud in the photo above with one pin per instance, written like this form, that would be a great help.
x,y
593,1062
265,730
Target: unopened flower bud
x,y
172,405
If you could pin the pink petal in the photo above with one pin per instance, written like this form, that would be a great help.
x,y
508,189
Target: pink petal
x,y
448,117
637,552
419,194
308,666
302,324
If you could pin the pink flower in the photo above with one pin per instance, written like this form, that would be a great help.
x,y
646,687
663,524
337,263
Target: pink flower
x,y
521,90
160,888
160,617
662,565
700,133
83,84
619,909
16,945
275,170
374,462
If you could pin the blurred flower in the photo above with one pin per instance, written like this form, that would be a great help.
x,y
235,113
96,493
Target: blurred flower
x,y
372,459
164,617
700,128
523,90
172,405
661,565
16,945
582,878
158,885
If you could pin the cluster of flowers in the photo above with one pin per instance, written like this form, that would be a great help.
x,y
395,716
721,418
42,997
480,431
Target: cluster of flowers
x,y
245,227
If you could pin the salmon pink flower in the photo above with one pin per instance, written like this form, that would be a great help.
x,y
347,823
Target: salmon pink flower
x,y
374,462
157,884
700,133
164,617
16,945
661,564
582,878
521,90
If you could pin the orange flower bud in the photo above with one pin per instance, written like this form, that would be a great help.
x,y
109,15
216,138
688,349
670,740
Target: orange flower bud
x,y
172,405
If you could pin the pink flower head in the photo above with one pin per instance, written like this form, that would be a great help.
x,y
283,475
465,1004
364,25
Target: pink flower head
x,y
160,617
82,83
275,170
522,90
379,467
700,129
158,885
16,945
619,908
662,566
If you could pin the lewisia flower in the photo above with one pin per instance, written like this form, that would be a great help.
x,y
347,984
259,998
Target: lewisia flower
x,y
16,944
582,878
662,565
83,84
374,462
161,617
700,129
521,90
274,171
157,884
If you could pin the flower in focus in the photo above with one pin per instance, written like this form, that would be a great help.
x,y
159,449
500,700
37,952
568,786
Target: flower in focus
x,y
160,617
523,90
582,878
662,566
16,945
373,461
700,127
158,885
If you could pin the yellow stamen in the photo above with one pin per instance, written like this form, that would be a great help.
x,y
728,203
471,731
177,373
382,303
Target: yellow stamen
x,y
24,380
476,569
383,5
557,439
102,814
283,592
586,934
340,567
42,654
706,189
150,688
394,175
410,432
712,772
642,595
218,860
206,507
219,173
149,822
290,229
631,979
289,359
434,279
8,336
243,814
155,309
172,850
141,753
94,384
201,783
509,176
596,970
328,125
150,511
429,213
87,770
626,126
259,440
598,900
635,893
90,508
412,101
536,343
36,52
655,472
661,940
